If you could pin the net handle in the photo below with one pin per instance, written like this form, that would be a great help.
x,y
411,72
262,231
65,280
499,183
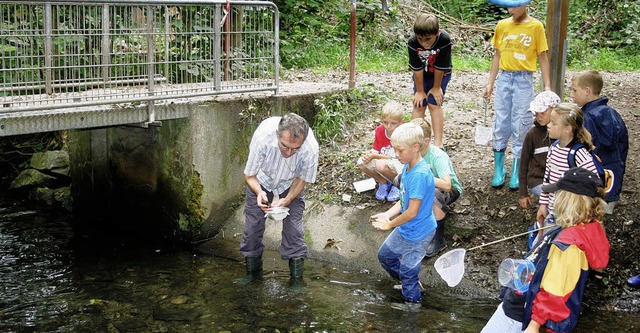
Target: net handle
x,y
511,237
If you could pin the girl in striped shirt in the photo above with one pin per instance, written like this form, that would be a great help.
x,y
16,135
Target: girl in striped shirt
x,y
566,128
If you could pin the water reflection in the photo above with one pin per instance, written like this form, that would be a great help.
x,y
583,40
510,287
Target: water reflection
x,y
49,285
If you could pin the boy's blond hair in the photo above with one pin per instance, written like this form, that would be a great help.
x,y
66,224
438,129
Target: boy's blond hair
x,y
407,135
589,79
571,115
425,125
392,110
572,209
426,25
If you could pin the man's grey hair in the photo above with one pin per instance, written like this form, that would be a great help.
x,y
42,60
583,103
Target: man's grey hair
x,y
296,125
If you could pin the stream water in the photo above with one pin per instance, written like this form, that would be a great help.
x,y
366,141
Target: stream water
x,y
50,283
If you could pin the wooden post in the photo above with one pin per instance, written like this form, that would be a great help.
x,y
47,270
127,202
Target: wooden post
x,y
557,20
352,51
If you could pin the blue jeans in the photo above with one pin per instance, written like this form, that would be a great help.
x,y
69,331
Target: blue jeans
x,y
514,92
402,259
536,190
500,323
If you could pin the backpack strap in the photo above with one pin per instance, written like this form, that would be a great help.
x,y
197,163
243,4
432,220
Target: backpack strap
x,y
571,157
554,144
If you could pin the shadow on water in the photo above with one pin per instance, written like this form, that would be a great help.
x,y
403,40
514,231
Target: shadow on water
x,y
48,285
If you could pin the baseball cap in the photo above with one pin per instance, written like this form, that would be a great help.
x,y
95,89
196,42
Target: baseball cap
x,y
543,101
577,180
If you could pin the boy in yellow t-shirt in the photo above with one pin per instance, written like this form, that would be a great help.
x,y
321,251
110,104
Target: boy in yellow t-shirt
x,y
518,40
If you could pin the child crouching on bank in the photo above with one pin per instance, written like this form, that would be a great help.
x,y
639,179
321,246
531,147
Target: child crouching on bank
x,y
380,163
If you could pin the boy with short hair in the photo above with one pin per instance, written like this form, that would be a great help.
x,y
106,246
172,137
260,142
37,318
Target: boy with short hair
x,y
380,162
535,147
448,186
608,131
414,226
518,40
430,60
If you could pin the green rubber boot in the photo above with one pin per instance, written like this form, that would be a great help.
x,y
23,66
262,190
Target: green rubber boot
x,y
254,270
499,173
514,182
296,266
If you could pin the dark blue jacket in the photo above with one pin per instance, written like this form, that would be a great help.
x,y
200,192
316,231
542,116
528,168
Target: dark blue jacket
x,y
609,135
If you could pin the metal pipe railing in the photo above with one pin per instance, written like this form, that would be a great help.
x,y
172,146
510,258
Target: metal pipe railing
x,y
66,54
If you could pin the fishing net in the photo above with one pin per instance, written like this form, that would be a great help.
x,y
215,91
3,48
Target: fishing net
x,y
450,266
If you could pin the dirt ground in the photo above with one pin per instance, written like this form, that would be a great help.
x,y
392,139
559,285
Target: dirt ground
x,y
483,214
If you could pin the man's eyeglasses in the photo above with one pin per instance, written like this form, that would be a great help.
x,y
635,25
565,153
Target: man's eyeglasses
x,y
284,148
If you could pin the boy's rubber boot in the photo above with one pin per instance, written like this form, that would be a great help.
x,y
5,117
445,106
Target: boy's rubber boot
x,y
514,182
437,244
296,267
254,270
499,173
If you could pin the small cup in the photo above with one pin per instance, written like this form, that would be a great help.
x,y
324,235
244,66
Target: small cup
x,y
516,273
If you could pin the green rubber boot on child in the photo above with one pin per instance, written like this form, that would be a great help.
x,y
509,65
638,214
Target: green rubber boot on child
x,y
514,182
499,173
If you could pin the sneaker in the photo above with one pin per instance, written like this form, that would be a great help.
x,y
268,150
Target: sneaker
x,y
634,281
394,194
383,191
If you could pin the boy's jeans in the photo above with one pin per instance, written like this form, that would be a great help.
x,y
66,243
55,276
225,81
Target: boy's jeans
x,y
514,92
402,260
500,323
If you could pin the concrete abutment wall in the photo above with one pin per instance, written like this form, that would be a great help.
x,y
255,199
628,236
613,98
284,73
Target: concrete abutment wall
x,y
183,179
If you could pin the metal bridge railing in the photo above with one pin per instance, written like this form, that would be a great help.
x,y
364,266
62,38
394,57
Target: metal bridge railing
x,y
69,54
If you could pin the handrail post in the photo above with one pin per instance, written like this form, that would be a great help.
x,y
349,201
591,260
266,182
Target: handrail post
x,y
167,34
48,48
151,69
217,38
106,45
276,49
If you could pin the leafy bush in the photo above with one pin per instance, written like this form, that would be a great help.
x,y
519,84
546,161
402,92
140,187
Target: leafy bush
x,y
336,112
316,33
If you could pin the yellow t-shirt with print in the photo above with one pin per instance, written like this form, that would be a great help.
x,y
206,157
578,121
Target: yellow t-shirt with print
x,y
519,44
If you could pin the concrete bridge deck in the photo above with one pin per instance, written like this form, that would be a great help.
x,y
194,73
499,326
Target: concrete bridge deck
x,y
137,113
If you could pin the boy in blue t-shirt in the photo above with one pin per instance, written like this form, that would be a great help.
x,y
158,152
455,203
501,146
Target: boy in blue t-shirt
x,y
402,252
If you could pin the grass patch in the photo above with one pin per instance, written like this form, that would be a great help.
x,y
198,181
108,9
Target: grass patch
x,y
607,60
469,62
326,57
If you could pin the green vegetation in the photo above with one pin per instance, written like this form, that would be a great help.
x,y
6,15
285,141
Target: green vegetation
x,y
335,112
602,35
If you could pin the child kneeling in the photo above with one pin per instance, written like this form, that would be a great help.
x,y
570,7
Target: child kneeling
x,y
380,162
